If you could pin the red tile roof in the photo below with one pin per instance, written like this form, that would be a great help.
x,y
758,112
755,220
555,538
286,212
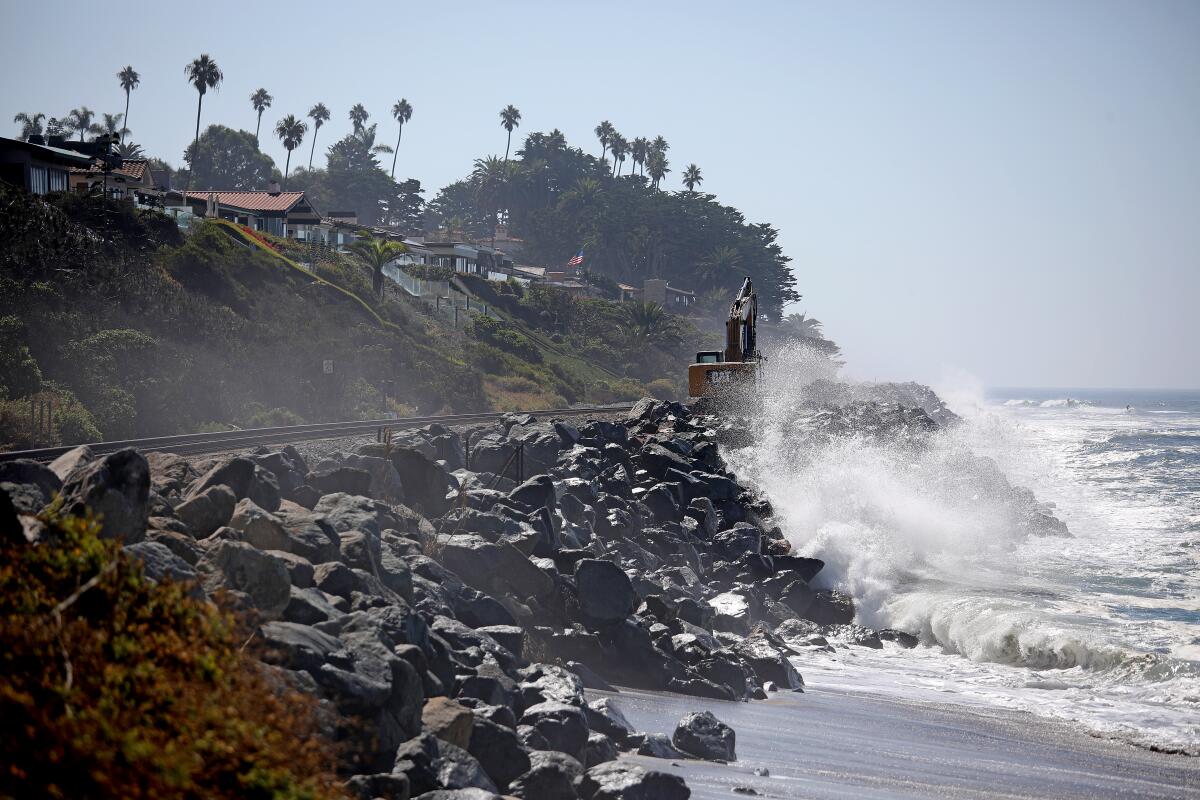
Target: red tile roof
x,y
253,201
134,169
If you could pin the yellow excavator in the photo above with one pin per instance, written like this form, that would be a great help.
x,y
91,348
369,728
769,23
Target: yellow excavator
x,y
716,370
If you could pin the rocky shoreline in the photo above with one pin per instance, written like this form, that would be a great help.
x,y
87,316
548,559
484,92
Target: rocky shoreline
x,y
448,618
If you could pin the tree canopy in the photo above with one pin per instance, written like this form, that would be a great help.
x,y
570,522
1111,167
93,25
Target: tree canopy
x,y
223,158
558,198
353,180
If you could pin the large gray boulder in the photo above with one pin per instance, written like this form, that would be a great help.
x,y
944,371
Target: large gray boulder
x,y
605,591
66,464
309,535
603,716
159,563
535,493
208,510
261,529
425,481
498,749
335,478
115,487
29,483
245,478
245,568
620,780
701,735
564,727
385,483
297,646
551,776
767,655
493,568
549,682
348,512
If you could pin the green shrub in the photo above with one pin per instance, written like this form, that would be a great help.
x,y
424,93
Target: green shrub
x,y
76,425
662,389
273,418
117,687
19,371
502,335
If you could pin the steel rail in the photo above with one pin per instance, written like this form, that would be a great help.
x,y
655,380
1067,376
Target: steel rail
x,y
220,441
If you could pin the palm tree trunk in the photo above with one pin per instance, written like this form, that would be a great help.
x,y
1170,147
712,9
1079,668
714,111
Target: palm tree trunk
x,y
396,154
507,145
286,166
314,146
196,140
257,128
125,125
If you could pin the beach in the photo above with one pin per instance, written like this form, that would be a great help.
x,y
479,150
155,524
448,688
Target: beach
x,y
836,744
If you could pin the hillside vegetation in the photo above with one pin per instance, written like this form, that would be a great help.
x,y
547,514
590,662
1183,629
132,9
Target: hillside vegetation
x,y
133,328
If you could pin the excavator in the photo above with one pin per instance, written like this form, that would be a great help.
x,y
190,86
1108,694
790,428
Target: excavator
x,y
738,363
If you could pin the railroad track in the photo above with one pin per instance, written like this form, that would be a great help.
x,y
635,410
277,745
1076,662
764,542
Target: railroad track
x,y
221,441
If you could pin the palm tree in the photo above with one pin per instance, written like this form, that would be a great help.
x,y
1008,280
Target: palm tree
x,y
80,121
402,113
808,330
291,132
692,177
604,132
366,136
129,81
204,74
358,116
659,145
377,254
319,114
618,145
638,150
657,167
648,323
510,118
112,125
261,102
804,326
488,180
129,150
582,196
31,124
721,262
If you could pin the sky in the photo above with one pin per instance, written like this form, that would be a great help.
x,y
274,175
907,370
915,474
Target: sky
x,y
1007,190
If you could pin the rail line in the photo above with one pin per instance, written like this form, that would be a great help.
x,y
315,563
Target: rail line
x,y
221,441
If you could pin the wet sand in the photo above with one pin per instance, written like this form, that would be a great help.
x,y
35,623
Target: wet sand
x,y
830,744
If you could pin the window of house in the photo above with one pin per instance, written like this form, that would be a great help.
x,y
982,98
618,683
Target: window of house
x,y
39,182
58,180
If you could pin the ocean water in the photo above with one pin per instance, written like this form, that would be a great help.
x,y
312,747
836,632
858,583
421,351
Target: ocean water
x,y
1101,629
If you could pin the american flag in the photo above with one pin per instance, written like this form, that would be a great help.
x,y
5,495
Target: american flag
x,y
576,259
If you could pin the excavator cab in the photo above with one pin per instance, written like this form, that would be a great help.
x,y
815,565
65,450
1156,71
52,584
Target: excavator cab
x,y
738,362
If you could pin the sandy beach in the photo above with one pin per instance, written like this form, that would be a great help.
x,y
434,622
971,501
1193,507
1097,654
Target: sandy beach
x,y
826,744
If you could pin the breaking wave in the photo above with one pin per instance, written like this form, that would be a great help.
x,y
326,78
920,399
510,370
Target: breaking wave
x,y
930,535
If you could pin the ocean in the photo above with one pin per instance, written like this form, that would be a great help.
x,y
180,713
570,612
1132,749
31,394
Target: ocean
x,y
1101,629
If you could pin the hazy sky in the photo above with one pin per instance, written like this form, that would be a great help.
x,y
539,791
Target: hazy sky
x,y
1011,189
